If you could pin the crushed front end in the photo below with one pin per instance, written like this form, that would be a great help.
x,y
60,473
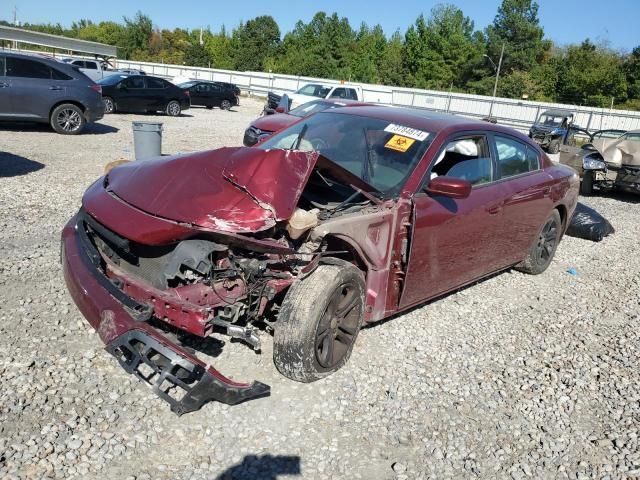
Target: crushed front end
x,y
123,314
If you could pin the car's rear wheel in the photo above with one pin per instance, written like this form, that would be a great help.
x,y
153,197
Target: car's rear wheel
x,y
109,105
586,184
319,323
225,105
67,119
173,108
544,248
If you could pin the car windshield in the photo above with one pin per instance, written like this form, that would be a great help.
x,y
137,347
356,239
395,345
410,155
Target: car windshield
x,y
380,153
551,120
187,84
312,107
314,90
111,79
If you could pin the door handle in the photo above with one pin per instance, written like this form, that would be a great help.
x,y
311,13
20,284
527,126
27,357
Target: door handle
x,y
54,87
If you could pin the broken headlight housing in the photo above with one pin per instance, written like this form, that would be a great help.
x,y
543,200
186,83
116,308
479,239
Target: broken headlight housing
x,y
593,162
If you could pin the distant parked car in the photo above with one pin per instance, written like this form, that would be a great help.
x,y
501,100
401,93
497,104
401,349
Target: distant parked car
x,y
128,71
551,128
93,68
313,91
142,93
265,126
211,94
38,89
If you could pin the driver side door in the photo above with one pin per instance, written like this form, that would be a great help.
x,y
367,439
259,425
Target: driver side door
x,y
455,241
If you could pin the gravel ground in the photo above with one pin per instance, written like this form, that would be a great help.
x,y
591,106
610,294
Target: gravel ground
x,y
514,377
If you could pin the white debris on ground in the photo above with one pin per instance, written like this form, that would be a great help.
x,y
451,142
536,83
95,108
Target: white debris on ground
x,y
515,377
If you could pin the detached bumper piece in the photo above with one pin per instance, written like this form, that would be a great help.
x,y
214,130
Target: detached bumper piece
x,y
183,384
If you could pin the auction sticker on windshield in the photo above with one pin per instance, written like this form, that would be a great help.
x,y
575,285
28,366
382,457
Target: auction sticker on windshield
x,y
407,132
399,143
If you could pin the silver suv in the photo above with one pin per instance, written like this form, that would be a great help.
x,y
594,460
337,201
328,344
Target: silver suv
x,y
40,89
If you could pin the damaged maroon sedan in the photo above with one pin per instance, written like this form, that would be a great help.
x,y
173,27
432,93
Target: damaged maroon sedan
x,y
348,216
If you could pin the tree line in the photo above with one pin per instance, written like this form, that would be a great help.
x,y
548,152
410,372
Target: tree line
x,y
441,51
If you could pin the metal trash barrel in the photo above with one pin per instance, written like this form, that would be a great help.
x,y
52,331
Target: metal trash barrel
x,y
147,139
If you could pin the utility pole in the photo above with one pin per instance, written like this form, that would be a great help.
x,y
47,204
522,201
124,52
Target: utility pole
x,y
15,16
495,85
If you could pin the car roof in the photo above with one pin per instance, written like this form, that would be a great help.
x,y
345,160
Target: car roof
x,y
418,118
558,112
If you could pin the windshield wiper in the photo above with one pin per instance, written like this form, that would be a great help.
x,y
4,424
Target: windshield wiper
x,y
296,144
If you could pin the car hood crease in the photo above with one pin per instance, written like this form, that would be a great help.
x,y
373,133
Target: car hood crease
x,y
231,189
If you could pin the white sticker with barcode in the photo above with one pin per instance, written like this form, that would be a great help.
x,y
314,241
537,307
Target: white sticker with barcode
x,y
407,132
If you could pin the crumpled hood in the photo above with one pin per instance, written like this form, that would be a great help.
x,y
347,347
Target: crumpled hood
x,y
230,189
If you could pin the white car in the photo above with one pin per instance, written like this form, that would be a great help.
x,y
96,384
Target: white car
x,y
313,91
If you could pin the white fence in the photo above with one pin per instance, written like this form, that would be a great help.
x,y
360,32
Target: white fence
x,y
516,113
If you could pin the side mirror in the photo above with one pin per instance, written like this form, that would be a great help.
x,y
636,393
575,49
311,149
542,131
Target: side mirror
x,y
449,187
280,109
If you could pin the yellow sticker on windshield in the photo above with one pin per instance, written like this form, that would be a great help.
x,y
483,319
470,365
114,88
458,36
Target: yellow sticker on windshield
x,y
399,143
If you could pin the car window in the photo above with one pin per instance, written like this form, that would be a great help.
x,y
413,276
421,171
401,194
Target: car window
x,y
154,83
314,90
2,62
133,82
308,108
91,65
607,134
351,94
339,93
78,63
633,136
58,75
465,158
514,157
202,88
25,68
381,153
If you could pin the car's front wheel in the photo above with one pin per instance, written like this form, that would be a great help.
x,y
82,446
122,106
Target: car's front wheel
x,y
554,146
173,108
109,105
544,248
225,105
67,119
319,322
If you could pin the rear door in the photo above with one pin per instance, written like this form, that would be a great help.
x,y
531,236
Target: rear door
x,y
33,91
155,93
527,195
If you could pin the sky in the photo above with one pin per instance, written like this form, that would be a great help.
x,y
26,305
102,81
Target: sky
x,y
564,21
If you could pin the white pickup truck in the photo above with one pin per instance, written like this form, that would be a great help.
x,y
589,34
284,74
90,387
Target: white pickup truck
x,y
313,91
97,69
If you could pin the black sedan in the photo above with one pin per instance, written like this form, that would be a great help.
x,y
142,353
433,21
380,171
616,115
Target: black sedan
x,y
212,94
142,93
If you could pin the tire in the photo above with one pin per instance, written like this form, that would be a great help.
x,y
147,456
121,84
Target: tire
x,y
310,342
67,119
109,105
225,104
586,185
209,107
554,146
544,248
173,108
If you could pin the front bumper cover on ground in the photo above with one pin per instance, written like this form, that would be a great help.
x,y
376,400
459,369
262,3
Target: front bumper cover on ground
x,y
175,375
